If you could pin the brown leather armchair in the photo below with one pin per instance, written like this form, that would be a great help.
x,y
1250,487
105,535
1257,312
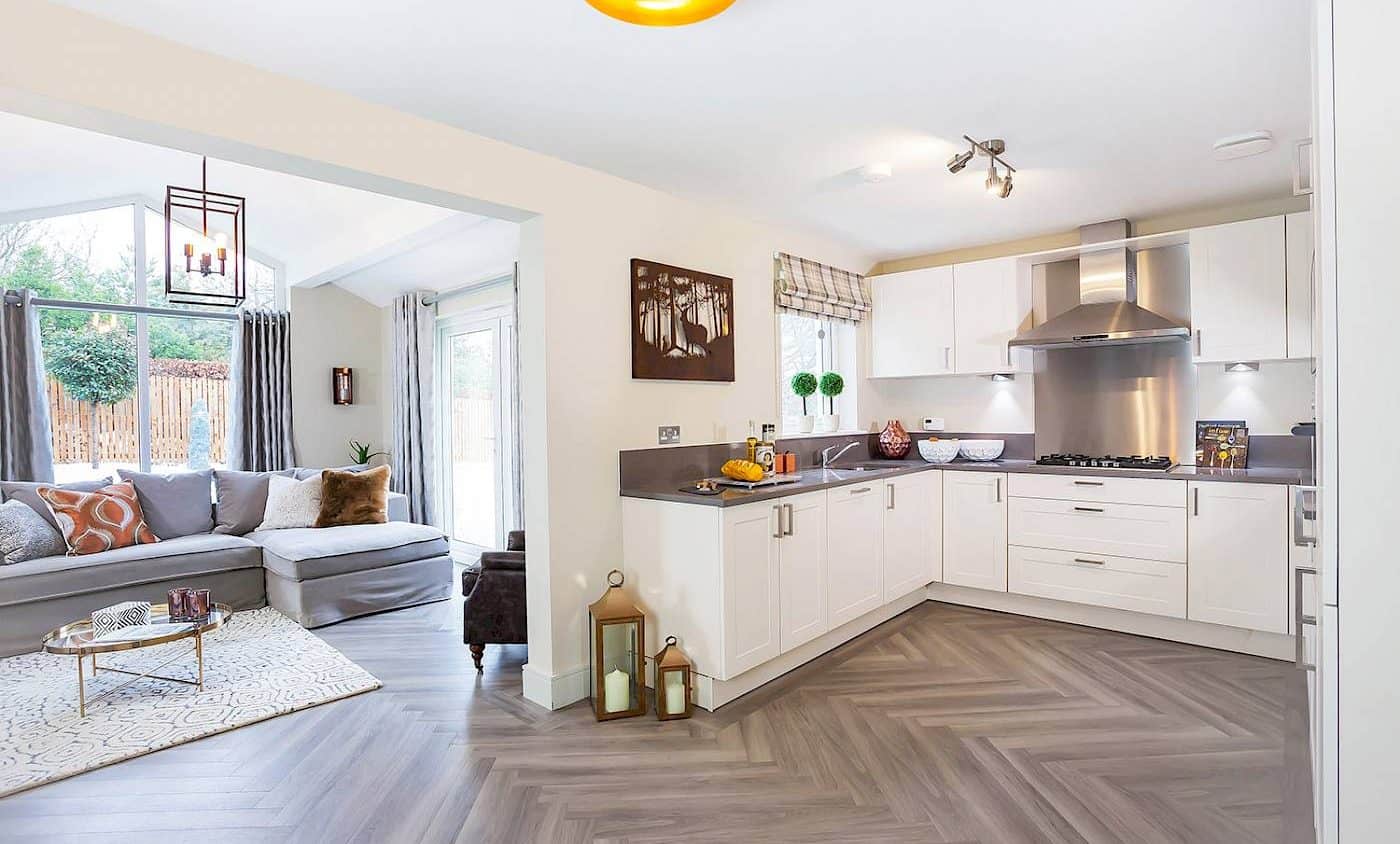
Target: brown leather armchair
x,y
494,610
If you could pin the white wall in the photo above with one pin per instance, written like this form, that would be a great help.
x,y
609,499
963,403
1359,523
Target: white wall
x,y
1272,400
331,327
579,230
967,403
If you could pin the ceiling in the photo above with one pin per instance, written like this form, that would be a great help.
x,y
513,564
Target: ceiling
x,y
1108,109
375,246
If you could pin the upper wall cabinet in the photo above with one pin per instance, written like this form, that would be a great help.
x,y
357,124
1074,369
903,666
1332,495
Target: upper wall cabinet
x,y
1239,291
1298,240
911,323
986,298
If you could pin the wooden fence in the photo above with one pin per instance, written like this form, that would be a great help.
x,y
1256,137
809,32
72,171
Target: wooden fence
x,y
172,410
471,414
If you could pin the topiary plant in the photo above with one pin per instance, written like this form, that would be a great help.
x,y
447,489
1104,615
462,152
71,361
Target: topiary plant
x,y
831,386
804,384
95,367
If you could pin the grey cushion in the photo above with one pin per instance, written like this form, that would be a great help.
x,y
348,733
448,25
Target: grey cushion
x,y
304,473
24,535
240,499
309,553
54,577
175,505
28,493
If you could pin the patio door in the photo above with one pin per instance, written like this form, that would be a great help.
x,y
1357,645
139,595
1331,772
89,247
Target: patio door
x,y
475,412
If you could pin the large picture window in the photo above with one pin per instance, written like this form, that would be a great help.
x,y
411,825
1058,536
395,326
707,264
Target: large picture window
x,y
132,390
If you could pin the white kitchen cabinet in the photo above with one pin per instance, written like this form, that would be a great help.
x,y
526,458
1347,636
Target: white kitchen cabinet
x,y
974,529
1239,289
1238,570
1298,242
750,579
989,310
1100,527
911,323
1125,583
855,551
912,524
802,569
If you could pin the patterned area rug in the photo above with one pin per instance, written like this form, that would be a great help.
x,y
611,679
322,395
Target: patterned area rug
x,y
261,665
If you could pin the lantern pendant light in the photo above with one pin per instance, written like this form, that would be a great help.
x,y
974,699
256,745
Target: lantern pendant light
x,y
661,12
617,635
673,683
214,267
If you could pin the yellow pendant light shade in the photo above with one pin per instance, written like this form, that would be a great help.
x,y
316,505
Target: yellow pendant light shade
x,y
661,12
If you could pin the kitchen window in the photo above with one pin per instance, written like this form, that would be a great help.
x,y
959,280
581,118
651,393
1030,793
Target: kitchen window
x,y
811,344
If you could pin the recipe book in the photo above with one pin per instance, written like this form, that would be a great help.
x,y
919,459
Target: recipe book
x,y
1222,444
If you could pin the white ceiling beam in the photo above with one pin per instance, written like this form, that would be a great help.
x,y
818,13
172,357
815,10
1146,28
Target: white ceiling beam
x,y
451,227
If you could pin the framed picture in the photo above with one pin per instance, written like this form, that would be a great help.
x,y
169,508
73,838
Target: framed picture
x,y
682,324
1222,444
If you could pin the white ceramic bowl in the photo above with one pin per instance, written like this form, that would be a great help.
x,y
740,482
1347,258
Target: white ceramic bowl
x,y
981,449
941,451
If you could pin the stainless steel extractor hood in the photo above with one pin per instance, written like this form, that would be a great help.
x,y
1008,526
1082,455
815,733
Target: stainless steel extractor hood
x,y
1108,313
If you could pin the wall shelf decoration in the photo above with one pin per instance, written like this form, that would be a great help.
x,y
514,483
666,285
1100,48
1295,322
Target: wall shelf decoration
x,y
682,324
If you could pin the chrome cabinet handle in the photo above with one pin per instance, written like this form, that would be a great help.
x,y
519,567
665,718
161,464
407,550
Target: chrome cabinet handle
x,y
778,514
1090,562
1302,514
1198,343
1089,509
1088,483
947,357
889,505
859,491
788,509
998,480
1196,505
1301,620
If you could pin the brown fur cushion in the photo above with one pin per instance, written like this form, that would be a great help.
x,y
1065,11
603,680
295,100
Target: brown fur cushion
x,y
354,498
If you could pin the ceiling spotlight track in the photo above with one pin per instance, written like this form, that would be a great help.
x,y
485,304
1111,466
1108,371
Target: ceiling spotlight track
x,y
992,149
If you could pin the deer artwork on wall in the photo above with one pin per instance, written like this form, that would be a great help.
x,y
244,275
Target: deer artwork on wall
x,y
682,323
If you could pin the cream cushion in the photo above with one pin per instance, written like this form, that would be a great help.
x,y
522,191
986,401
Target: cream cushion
x,y
291,503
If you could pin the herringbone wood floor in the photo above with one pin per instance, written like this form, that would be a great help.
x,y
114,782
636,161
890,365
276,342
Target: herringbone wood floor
x,y
945,724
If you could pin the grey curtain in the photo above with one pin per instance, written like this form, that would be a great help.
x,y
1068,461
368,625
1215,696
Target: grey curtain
x,y
260,421
411,443
26,445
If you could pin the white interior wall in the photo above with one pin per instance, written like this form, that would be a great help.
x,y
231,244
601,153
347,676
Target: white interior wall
x,y
332,327
579,230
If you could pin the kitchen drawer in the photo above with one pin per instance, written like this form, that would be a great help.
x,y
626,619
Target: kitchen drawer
x,y
1150,491
1122,530
1148,586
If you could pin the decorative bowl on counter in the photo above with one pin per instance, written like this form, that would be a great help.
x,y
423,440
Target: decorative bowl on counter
x,y
981,449
938,451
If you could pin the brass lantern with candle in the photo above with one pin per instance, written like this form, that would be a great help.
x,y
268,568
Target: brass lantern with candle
x,y
618,631
672,683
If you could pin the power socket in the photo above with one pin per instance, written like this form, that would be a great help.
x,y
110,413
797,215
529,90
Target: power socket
x,y
933,423
668,435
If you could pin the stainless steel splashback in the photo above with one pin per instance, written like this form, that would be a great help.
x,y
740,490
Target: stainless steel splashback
x,y
1138,399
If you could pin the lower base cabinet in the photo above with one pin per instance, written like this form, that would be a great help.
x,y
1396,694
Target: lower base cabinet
x,y
802,570
855,552
1123,583
913,531
1237,545
750,586
974,529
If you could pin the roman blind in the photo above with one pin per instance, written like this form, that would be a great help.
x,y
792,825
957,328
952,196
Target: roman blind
x,y
818,290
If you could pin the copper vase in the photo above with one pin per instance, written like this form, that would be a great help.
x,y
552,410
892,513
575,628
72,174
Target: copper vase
x,y
895,441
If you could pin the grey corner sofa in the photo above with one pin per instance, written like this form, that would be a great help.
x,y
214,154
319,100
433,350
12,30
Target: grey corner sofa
x,y
316,576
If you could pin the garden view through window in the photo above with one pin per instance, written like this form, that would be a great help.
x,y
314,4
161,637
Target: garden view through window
x,y
125,391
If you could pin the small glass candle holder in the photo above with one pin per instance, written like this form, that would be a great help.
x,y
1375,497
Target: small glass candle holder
x,y
197,603
177,601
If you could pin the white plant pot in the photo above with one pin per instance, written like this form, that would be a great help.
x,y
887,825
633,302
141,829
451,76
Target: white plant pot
x,y
807,423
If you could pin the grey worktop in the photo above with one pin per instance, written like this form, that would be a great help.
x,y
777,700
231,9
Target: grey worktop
x,y
817,479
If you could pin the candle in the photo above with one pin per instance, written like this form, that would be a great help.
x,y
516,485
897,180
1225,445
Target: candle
x,y
675,693
615,691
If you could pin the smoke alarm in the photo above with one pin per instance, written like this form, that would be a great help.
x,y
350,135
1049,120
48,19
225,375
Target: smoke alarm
x,y
1243,146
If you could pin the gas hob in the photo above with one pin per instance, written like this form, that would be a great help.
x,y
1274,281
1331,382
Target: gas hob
x,y
1084,461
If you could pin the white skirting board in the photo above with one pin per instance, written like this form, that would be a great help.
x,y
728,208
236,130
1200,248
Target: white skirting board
x,y
554,692
1257,643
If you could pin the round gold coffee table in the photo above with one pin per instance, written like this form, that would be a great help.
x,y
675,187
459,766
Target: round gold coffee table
x,y
78,639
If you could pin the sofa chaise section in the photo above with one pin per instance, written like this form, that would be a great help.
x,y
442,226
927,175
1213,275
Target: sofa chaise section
x,y
319,576
39,595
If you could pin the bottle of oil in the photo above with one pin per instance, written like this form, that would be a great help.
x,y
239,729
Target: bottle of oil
x,y
752,444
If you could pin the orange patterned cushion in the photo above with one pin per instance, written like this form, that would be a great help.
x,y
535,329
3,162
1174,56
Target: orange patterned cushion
x,y
108,518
